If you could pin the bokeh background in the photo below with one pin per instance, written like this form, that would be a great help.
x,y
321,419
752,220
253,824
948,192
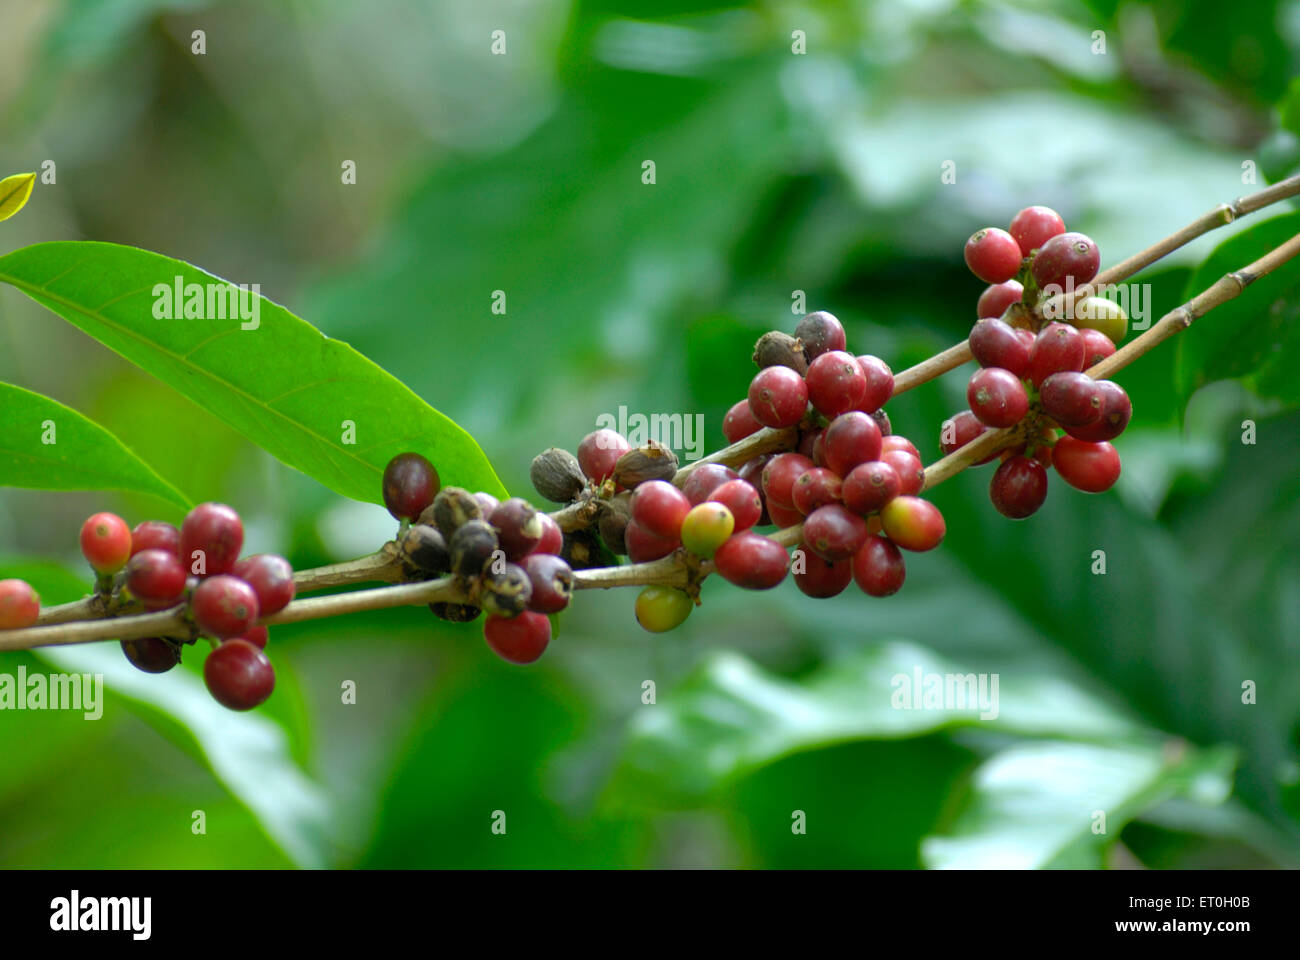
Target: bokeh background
x,y
776,172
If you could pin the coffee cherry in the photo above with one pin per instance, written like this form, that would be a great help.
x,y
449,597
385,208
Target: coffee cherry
x,y
779,476
1058,349
897,442
155,535
821,578
778,397
487,504
520,639
653,461
552,581
910,470
1116,411
599,452
816,488
998,344
660,508
257,636
752,474
836,383
810,444
1066,261
869,486
993,255
1034,226
1071,399
740,497
271,578
751,561
833,532
410,483
783,517
1104,316
959,430
455,612
612,523
238,675
995,299
106,542
660,609
156,578
880,387
851,438
552,536
1096,347
19,604
151,654
878,567
519,527
739,422
211,537
997,397
423,546
471,547
452,508
1090,467
507,593
913,523
706,528
820,333
224,606
704,479
557,475
777,349
1019,487
644,546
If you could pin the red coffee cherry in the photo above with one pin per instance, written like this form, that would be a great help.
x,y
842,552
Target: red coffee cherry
x,y
880,385
816,488
820,578
1071,399
644,546
151,654
833,533
897,442
1057,349
552,581
810,444
878,567
519,527
224,606
751,561
851,438
552,536
257,636
1066,261
1096,347
1090,467
752,474
959,430
995,299
238,675
106,542
739,422
1034,226
820,333
1019,487
19,604
409,485
993,255
660,508
998,344
706,478
836,383
778,397
271,578
156,578
740,497
783,517
211,538
779,476
910,470
660,609
913,523
869,486
520,639
1116,411
599,452
155,535
997,397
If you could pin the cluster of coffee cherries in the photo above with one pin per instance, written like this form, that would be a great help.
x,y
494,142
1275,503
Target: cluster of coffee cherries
x,y
503,554
1031,372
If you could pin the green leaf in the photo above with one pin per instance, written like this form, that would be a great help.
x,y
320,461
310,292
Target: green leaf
x,y
313,402
14,192
1256,336
1036,805
47,446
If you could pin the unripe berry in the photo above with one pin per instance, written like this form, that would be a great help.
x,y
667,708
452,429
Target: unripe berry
x,y
410,483
155,535
1071,399
739,422
778,397
423,546
1104,316
156,578
820,333
821,578
740,497
106,542
552,536
238,675
507,594
783,517
271,578
816,488
644,546
913,523
1066,261
599,452
211,537
520,639
851,439
472,547
706,528
777,349
453,507
1019,487
878,567
869,486
1058,349
1034,226
993,255
998,344
660,508
833,533
552,581
1090,467
910,470
19,604
519,527
224,606
995,299
779,475
997,397
660,609
1116,411
557,475
151,654
751,561
704,479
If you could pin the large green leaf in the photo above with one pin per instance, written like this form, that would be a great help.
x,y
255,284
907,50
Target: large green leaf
x,y
313,402
47,446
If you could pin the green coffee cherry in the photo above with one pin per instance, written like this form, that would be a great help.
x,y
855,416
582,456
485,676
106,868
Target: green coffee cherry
x,y
706,528
659,609
1106,316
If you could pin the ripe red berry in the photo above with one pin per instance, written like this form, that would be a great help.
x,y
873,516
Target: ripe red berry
x,y
836,383
820,332
552,536
1019,487
913,523
1096,347
644,546
810,444
1066,261
898,442
739,422
660,508
704,479
869,486
257,636
995,299
779,476
271,578
959,430
821,578
880,384
211,538
151,654
740,497
878,567
998,344
106,542
156,578
816,488
1116,411
751,561
552,581
783,517
224,606
993,255
910,470
1090,467
519,527
520,639
851,438
997,397
599,452
19,604
155,535
778,397
833,533
1034,226
1071,399
410,483
1057,349
238,675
